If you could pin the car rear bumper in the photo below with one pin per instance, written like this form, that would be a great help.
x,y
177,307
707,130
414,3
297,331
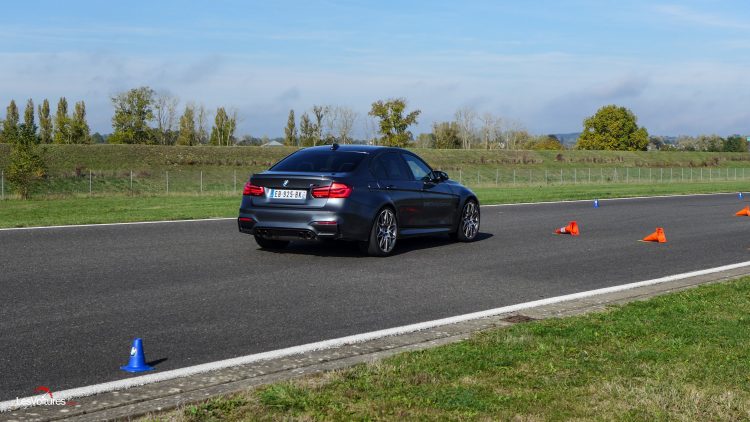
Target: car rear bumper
x,y
291,224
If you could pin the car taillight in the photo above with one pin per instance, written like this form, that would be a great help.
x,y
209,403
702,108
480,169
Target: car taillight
x,y
336,190
252,190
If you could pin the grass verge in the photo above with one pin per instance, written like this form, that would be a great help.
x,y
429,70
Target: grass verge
x,y
113,209
683,356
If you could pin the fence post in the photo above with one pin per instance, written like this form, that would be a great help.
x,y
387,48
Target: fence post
x,y
627,174
514,176
546,180
670,174
89,182
601,174
561,177
2,185
235,182
460,176
201,182
131,182
575,176
477,177
167,182
497,174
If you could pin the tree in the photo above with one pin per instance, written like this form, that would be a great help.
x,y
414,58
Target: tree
x,y
201,121
187,135
29,126
445,135
490,130
393,125
465,117
62,123
290,131
45,123
97,138
26,162
613,128
10,125
320,113
343,123
710,143
165,113
735,143
79,128
222,133
549,142
307,131
133,112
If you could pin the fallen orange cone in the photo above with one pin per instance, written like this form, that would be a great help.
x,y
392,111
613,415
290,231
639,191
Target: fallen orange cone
x,y
744,212
657,236
571,229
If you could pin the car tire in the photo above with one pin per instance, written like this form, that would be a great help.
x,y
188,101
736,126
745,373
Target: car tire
x,y
383,234
270,243
468,223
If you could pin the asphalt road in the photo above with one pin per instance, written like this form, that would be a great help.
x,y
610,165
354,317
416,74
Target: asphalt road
x,y
74,298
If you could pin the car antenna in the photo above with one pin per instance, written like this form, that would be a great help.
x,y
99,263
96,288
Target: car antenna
x,y
335,146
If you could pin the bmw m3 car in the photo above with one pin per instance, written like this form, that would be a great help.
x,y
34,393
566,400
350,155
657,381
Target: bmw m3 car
x,y
369,194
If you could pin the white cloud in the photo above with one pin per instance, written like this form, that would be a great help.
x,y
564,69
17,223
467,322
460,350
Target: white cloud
x,y
547,92
682,14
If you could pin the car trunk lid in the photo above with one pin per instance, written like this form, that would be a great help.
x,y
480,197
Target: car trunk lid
x,y
289,189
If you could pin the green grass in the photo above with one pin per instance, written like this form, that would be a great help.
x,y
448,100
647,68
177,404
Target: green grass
x,y
157,170
121,208
116,209
684,356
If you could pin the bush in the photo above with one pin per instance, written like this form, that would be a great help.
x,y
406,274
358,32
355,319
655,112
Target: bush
x,y
26,167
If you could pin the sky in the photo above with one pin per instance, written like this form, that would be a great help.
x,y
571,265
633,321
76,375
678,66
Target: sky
x,y
681,67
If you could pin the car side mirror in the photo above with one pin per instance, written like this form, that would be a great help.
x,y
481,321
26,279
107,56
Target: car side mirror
x,y
438,176
441,175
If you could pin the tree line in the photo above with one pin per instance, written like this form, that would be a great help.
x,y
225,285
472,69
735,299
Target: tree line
x,y
62,128
143,116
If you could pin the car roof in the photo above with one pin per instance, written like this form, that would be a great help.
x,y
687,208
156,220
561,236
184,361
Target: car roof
x,y
354,148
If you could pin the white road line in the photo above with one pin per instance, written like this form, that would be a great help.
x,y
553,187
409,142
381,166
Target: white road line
x,y
612,199
132,223
358,338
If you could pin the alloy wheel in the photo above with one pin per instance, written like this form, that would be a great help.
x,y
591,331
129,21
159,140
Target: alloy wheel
x,y
387,230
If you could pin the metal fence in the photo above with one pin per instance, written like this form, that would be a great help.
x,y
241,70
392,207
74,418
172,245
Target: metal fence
x,y
231,181
505,177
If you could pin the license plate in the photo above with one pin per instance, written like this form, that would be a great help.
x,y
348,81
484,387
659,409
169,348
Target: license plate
x,y
287,194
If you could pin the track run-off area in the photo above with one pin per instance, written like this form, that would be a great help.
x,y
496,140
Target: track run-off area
x,y
73,298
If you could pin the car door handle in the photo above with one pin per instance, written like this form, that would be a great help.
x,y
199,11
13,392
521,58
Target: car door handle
x,y
389,186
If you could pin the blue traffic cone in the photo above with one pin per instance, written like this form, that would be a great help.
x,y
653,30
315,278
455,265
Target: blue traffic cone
x,y
137,361
596,203
739,195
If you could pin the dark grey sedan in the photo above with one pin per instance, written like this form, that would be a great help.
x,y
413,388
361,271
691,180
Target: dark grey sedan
x,y
369,194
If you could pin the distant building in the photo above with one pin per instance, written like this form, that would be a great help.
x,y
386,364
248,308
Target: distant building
x,y
273,144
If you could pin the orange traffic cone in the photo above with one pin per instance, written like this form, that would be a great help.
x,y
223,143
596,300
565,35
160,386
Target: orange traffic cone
x,y
571,229
744,212
657,236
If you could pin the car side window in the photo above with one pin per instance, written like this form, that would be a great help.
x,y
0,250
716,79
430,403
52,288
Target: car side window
x,y
390,166
378,169
419,169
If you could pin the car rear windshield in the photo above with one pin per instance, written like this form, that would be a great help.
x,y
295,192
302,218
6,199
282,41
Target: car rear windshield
x,y
320,161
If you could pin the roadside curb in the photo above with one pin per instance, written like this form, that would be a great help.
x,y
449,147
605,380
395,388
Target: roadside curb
x,y
175,393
